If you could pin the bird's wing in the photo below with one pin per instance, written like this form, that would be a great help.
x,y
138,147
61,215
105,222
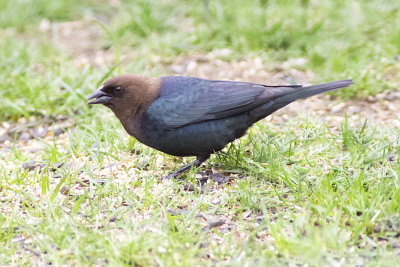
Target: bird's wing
x,y
193,100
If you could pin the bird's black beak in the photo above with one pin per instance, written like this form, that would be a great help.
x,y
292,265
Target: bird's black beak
x,y
99,97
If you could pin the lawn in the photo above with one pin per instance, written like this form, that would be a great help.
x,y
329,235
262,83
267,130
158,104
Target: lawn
x,y
317,183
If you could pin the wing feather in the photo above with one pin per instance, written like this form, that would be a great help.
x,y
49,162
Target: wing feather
x,y
189,100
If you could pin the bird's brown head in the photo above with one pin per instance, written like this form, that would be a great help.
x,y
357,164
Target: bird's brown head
x,y
127,95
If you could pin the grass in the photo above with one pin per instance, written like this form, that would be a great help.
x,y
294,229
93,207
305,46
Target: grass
x,y
298,202
303,192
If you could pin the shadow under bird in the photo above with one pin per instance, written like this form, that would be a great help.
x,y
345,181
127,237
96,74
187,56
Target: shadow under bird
x,y
188,116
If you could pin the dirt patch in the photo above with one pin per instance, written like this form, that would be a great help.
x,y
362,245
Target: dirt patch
x,y
80,39
251,69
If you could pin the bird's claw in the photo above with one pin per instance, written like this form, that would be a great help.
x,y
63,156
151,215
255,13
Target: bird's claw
x,y
170,176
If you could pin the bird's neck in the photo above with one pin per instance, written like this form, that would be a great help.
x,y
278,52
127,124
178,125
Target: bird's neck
x,y
132,124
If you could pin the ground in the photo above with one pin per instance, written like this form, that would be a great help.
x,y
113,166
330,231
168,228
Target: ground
x,y
316,183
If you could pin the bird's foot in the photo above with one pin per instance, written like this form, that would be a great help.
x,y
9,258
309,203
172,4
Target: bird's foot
x,y
194,164
169,176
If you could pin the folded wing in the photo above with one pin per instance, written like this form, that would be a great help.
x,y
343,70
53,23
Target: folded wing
x,y
188,100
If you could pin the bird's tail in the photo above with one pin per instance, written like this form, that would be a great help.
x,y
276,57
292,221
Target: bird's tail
x,y
311,90
299,93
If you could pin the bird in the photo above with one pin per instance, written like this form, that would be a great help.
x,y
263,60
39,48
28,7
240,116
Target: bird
x,y
190,116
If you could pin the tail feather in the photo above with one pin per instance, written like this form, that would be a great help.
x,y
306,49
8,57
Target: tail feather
x,y
311,90
302,92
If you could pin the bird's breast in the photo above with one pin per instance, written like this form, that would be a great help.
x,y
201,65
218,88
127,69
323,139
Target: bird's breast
x,y
191,140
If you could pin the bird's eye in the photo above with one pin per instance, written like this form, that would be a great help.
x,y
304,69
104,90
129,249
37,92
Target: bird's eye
x,y
118,88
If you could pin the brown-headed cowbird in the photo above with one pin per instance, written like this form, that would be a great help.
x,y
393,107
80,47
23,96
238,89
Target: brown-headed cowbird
x,y
188,116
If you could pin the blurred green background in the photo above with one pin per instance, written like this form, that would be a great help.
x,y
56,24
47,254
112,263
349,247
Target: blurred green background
x,y
336,39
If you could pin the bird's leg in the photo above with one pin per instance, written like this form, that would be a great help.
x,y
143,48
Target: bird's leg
x,y
199,160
